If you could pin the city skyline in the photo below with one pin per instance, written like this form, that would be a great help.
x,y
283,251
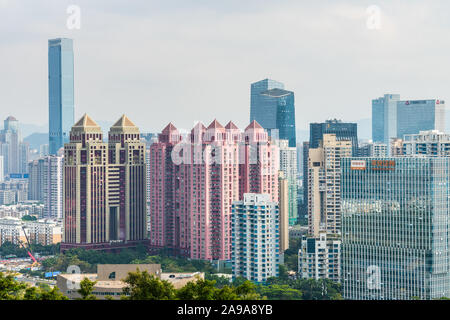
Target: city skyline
x,y
199,76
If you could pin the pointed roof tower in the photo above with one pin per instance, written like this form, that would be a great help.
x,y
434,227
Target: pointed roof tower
x,y
254,125
215,125
86,124
124,125
231,126
169,134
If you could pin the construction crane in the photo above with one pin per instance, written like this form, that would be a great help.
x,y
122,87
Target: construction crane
x,y
28,248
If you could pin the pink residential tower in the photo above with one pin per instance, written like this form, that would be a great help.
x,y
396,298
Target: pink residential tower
x,y
195,179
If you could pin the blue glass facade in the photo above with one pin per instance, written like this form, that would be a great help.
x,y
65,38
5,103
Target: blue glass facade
x,y
395,228
342,130
392,118
60,92
274,108
384,118
420,115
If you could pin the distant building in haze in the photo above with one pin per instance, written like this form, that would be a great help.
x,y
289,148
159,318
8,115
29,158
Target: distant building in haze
x,y
342,130
274,109
393,118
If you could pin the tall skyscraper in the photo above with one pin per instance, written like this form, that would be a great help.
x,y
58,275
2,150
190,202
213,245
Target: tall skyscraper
x,y
395,230
342,131
255,233
274,109
195,180
12,148
393,118
104,187
384,118
60,92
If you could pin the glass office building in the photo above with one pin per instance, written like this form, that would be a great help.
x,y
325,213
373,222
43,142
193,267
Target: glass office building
x,y
420,115
392,118
60,92
274,109
342,130
395,228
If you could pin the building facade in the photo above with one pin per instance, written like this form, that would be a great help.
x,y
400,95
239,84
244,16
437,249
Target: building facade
x,y
14,151
395,228
60,92
104,187
288,164
393,118
342,130
324,183
319,257
256,253
274,109
430,142
195,179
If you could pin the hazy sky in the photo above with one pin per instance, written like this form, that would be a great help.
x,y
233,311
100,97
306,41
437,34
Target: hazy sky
x,y
186,60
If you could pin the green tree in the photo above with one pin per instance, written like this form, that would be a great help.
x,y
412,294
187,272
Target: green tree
x,y
43,293
280,292
198,290
10,289
86,288
145,286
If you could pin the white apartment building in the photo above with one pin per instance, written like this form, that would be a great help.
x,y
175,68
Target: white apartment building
x,y
319,257
255,234
288,164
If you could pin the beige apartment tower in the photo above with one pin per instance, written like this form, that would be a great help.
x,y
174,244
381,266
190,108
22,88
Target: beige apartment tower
x,y
104,187
324,179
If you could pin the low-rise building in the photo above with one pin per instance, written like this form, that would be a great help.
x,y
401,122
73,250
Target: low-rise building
x,y
110,278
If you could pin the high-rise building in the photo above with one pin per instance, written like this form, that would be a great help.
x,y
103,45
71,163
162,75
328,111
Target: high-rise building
x,y
372,149
393,118
36,179
255,233
283,207
274,109
342,130
384,118
304,207
60,92
396,147
288,164
52,186
104,187
430,142
2,177
395,242
195,180
13,149
319,257
324,182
